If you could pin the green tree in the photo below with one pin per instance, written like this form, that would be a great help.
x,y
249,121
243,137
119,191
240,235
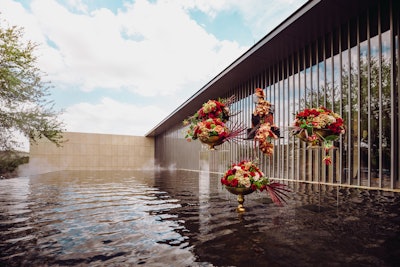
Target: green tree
x,y
362,99
24,105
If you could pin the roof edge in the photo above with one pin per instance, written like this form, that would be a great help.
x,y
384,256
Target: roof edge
x,y
274,32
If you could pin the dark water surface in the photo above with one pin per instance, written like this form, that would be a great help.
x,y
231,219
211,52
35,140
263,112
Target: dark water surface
x,y
178,218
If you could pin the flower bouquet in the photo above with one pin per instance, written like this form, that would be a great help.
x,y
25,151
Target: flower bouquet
x,y
263,129
214,109
318,127
245,177
263,108
211,131
208,124
264,136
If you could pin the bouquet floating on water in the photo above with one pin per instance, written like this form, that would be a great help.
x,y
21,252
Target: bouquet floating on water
x,y
246,174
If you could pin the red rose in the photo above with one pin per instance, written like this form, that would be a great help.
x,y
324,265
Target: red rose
x,y
314,112
234,182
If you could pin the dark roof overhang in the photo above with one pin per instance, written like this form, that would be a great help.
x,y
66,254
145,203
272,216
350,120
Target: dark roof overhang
x,y
311,21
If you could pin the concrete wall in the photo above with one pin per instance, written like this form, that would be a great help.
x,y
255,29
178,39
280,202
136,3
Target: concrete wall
x,y
87,151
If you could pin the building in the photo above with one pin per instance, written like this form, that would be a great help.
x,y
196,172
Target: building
x,y
337,53
90,151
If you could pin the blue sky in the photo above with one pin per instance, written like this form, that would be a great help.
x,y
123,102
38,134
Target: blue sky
x,y
122,66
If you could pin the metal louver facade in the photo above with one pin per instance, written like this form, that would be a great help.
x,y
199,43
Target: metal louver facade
x,y
343,55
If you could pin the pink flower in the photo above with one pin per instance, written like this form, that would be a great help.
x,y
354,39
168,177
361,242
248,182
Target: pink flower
x,y
312,138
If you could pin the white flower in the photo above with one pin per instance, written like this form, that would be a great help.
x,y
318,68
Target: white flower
x,y
237,168
256,177
244,181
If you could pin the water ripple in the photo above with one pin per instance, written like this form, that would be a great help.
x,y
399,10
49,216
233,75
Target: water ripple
x,y
188,219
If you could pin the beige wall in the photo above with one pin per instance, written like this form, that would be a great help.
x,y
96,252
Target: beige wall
x,y
87,151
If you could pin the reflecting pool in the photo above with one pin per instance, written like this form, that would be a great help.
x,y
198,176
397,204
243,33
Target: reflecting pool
x,y
183,218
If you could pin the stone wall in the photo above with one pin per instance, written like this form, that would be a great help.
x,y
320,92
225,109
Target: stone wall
x,y
88,151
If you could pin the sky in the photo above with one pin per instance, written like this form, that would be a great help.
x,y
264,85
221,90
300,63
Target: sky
x,y
122,66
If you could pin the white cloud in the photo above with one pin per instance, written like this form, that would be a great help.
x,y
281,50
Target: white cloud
x,y
15,14
110,116
150,49
261,16
78,5
265,16
91,51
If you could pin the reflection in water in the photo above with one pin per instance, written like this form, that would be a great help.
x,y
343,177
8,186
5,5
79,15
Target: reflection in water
x,y
178,218
204,200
